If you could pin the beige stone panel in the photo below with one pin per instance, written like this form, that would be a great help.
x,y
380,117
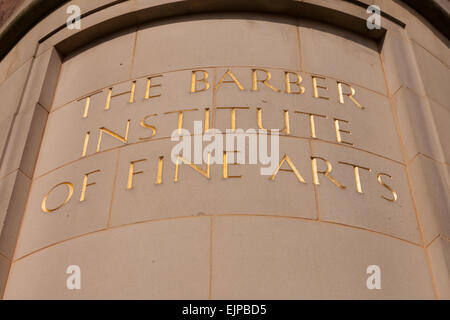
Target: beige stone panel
x,y
421,32
4,270
4,129
92,19
25,139
444,49
11,91
213,41
367,209
439,252
59,17
270,258
372,128
341,54
400,64
98,65
194,194
66,126
7,186
19,56
14,194
29,123
42,80
158,260
33,141
444,4
76,217
430,187
417,126
417,27
435,75
441,117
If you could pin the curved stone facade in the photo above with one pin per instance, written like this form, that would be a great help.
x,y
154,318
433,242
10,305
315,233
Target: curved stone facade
x,y
87,177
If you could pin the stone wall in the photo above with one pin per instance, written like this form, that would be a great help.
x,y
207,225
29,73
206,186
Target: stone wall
x,y
87,110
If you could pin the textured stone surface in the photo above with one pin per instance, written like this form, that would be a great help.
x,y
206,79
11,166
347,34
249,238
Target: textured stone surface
x,y
110,60
441,117
4,270
15,188
42,229
11,91
416,123
213,42
325,50
277,238
248,262
435,75
429,181
158,260
367,209
439,252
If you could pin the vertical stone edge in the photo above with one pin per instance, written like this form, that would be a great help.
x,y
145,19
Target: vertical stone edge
x,y
407,77
21,155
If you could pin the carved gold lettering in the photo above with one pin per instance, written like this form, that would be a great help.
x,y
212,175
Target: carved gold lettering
x,y
356,174
339,130
132,173
291,165
151,85
286,128
349,95
226,164
233,80
180,117
110,95
326,173
316,87
233,114
86,184
86,143
297,82
69,196
123,139
204,173
312,125
265,81
88,102
194,81
147,126
394,194
159,177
